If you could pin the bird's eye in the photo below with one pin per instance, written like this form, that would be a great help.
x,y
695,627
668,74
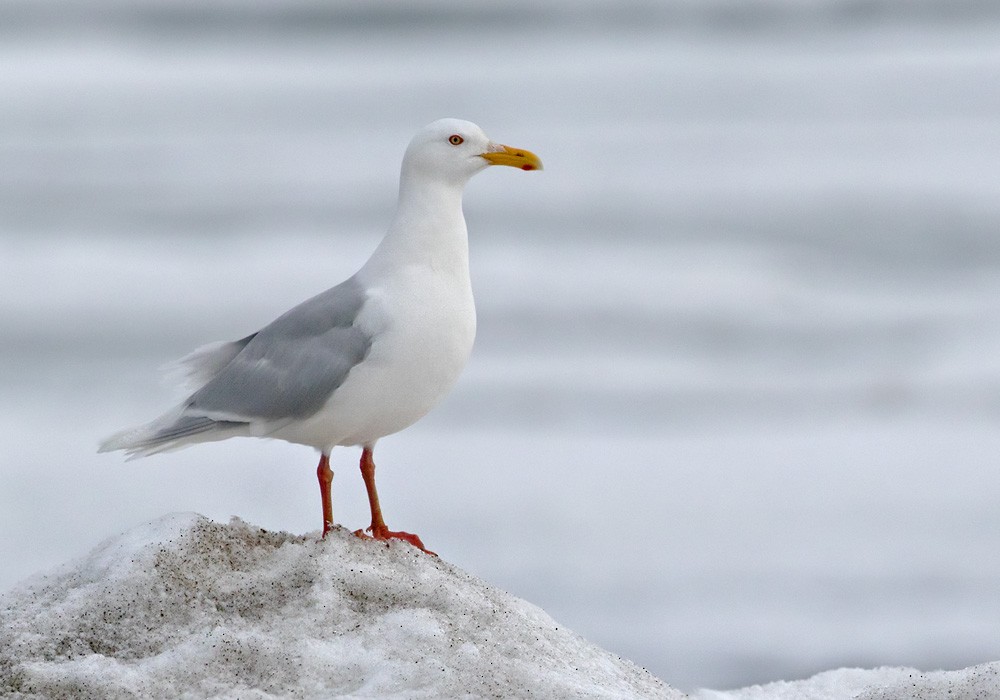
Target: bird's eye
x,y
455,140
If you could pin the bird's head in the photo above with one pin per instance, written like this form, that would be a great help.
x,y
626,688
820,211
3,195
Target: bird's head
x,y
454,150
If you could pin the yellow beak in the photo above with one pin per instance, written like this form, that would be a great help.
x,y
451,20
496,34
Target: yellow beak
x,y
514,157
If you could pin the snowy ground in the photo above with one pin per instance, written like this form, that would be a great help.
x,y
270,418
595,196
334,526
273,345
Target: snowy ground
x,y
186,607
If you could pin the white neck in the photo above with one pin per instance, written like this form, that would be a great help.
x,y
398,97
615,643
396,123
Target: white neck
x,y
428,229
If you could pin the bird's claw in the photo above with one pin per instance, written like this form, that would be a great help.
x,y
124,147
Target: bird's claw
x,y
383,534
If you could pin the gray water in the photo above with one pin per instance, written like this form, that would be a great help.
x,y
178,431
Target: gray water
x,y
733,407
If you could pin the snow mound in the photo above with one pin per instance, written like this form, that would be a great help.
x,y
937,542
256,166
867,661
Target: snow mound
x,y
978,682
186,607
887,683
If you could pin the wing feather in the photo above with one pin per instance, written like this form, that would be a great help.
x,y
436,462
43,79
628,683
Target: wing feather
x,y
292,366
197,368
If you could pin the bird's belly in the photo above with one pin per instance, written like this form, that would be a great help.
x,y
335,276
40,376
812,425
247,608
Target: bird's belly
x,y
418,352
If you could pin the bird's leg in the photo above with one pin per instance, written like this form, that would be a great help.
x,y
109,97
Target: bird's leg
x,y
378,528
325,476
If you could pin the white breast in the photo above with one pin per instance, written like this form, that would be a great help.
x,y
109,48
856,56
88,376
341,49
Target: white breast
x,y
422,324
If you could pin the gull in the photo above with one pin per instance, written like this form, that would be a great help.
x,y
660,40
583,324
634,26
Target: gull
x,y
364,359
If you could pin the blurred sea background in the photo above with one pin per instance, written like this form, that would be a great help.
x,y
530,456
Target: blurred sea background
x,y
733,409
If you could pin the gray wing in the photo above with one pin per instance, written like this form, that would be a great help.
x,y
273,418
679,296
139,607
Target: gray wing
x,y
196,369
290,368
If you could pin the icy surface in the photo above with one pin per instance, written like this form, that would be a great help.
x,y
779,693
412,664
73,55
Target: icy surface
x,y
976,683
188,607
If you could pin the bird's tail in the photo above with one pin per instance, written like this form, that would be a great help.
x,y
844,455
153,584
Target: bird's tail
x,y
170,432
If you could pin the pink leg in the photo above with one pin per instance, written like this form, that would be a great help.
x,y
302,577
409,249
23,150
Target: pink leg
x,y
378,527
325,476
